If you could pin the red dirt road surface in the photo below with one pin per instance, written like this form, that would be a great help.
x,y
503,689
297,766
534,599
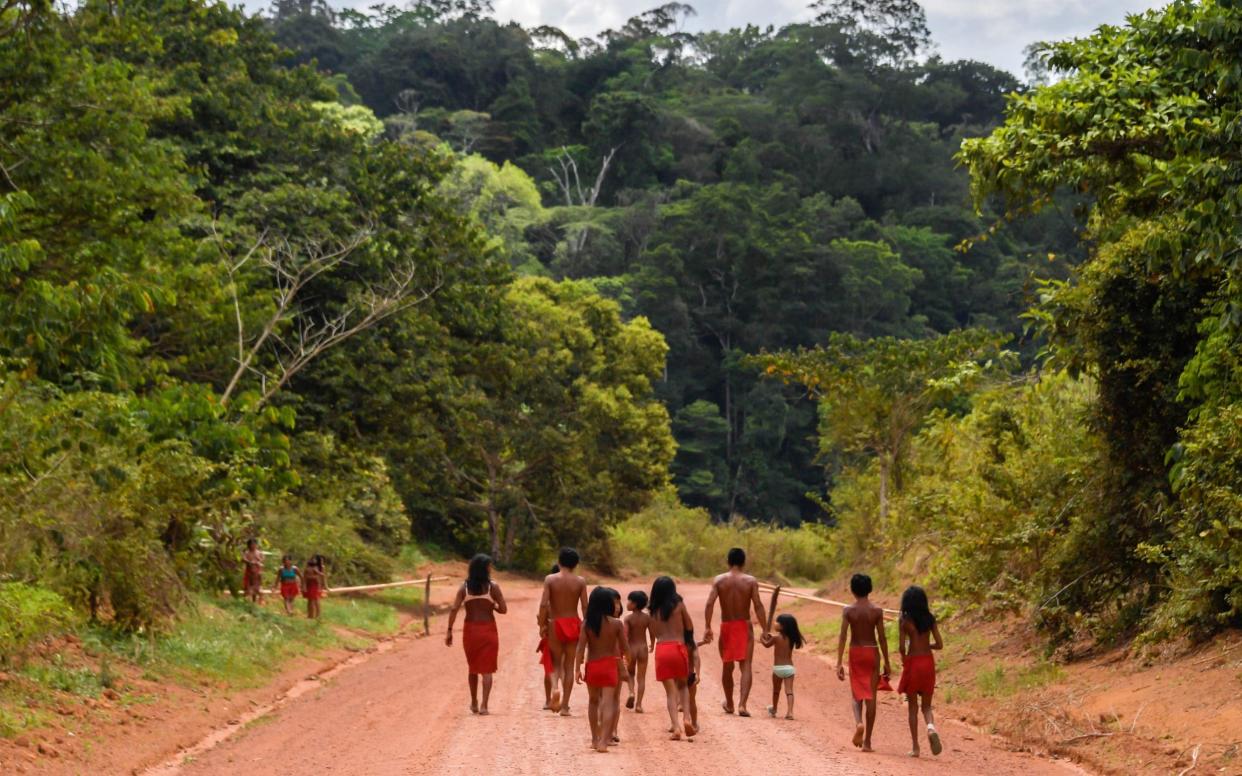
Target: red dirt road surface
x,y
405,711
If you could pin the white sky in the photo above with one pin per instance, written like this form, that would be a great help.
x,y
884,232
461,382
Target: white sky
x,y
993,31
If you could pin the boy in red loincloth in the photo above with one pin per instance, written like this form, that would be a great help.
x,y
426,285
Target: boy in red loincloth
x,y
563,593
863,623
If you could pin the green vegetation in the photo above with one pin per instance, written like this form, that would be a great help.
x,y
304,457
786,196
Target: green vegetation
x,y
1001,680
29,615
669,538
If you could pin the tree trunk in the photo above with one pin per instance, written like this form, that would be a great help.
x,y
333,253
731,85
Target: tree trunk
x,y
493,524
885,466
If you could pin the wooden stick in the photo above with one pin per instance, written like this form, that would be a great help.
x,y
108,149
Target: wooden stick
x,y
366,588
802,596
427,607
771,610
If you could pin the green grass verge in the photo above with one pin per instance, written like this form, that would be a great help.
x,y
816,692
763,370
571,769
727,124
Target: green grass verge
x,y
1001,680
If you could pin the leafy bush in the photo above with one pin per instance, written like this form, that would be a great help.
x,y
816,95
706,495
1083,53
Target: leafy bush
x,y
670,538
28,615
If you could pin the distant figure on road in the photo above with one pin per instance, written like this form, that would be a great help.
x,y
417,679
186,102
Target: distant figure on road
x,y
289,580
671,627
483,601
252,579
917,636
738,593
314,586
564,596
595,663
863,623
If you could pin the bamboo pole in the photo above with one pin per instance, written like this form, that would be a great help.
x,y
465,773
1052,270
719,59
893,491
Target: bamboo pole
x,y
381,586
804,597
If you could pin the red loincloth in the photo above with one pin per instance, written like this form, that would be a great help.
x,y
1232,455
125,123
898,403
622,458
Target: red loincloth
x,y
567,629
672,660
545,656
918,675
312,591
601,672
482,645
734,640
863,662
289,589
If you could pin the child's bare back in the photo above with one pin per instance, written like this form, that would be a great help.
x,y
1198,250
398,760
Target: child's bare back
x,y
636,626
863,619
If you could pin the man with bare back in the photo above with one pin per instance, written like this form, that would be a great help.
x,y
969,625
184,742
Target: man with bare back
x,y
564,599
738,593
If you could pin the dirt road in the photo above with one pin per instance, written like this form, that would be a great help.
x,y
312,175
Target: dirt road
x,y
404,711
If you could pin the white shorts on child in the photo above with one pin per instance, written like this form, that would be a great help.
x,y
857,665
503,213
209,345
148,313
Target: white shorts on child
x,y
783,672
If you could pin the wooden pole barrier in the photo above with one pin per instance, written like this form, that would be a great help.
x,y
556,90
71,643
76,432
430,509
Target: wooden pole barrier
x,y
427,607
367,588
804,597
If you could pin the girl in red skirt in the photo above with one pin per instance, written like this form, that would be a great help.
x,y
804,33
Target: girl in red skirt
x,y
314,586
672,628
483,601
289,580
917,637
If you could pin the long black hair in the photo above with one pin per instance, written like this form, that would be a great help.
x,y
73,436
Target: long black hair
x,y
914,606
789,628
664,598
600,605
479,578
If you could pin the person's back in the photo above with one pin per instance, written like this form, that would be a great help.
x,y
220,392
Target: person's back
x,y
636,624
564,596
607,643
735,590
863,618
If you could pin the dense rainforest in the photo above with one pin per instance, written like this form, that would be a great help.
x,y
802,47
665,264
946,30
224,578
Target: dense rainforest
x,y
343,280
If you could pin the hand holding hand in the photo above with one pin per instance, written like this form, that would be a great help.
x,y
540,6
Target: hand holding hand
x,y
708,636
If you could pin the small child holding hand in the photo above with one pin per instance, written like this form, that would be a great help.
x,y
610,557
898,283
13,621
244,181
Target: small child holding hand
x,y
785,640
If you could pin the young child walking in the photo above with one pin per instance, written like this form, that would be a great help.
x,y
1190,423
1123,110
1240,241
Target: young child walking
x,y
314,585
670,622
598,643
784,641
289,580
622,670
917,636
636,630
863,624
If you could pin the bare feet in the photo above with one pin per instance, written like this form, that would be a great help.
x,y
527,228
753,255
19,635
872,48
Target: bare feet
x,y
629,702
602,748
555,703
866,747
638,709
675,737
547,706
483,712
859,732
743,713
564,711
615,740
690,730
934,738
474,707
771,711
727,708
788,716
912,753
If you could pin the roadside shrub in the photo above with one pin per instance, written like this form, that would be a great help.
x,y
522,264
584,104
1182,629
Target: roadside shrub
x,y
668,537
29,614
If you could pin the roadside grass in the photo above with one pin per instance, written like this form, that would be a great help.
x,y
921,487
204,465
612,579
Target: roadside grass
x,y
1001,680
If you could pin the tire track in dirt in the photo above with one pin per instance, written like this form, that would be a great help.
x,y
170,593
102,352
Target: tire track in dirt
x,y
404,713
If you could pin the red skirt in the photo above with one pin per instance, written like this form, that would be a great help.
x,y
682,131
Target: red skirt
x,y
672,660
601,672
251,577
289,589
863,662
918,675
482,645
545,656
312,592
734,640
567,629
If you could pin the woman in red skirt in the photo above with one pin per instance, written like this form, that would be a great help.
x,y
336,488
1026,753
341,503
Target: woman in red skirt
x,y
482,600
917,638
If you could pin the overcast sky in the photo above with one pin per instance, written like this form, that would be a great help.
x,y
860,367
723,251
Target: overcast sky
x,y
993,31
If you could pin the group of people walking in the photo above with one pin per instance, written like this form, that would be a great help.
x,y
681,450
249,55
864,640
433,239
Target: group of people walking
x,y
593,638
290,581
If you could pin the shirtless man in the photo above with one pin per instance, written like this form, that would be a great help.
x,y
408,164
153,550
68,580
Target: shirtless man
x,y
738,593
564,597
863,622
